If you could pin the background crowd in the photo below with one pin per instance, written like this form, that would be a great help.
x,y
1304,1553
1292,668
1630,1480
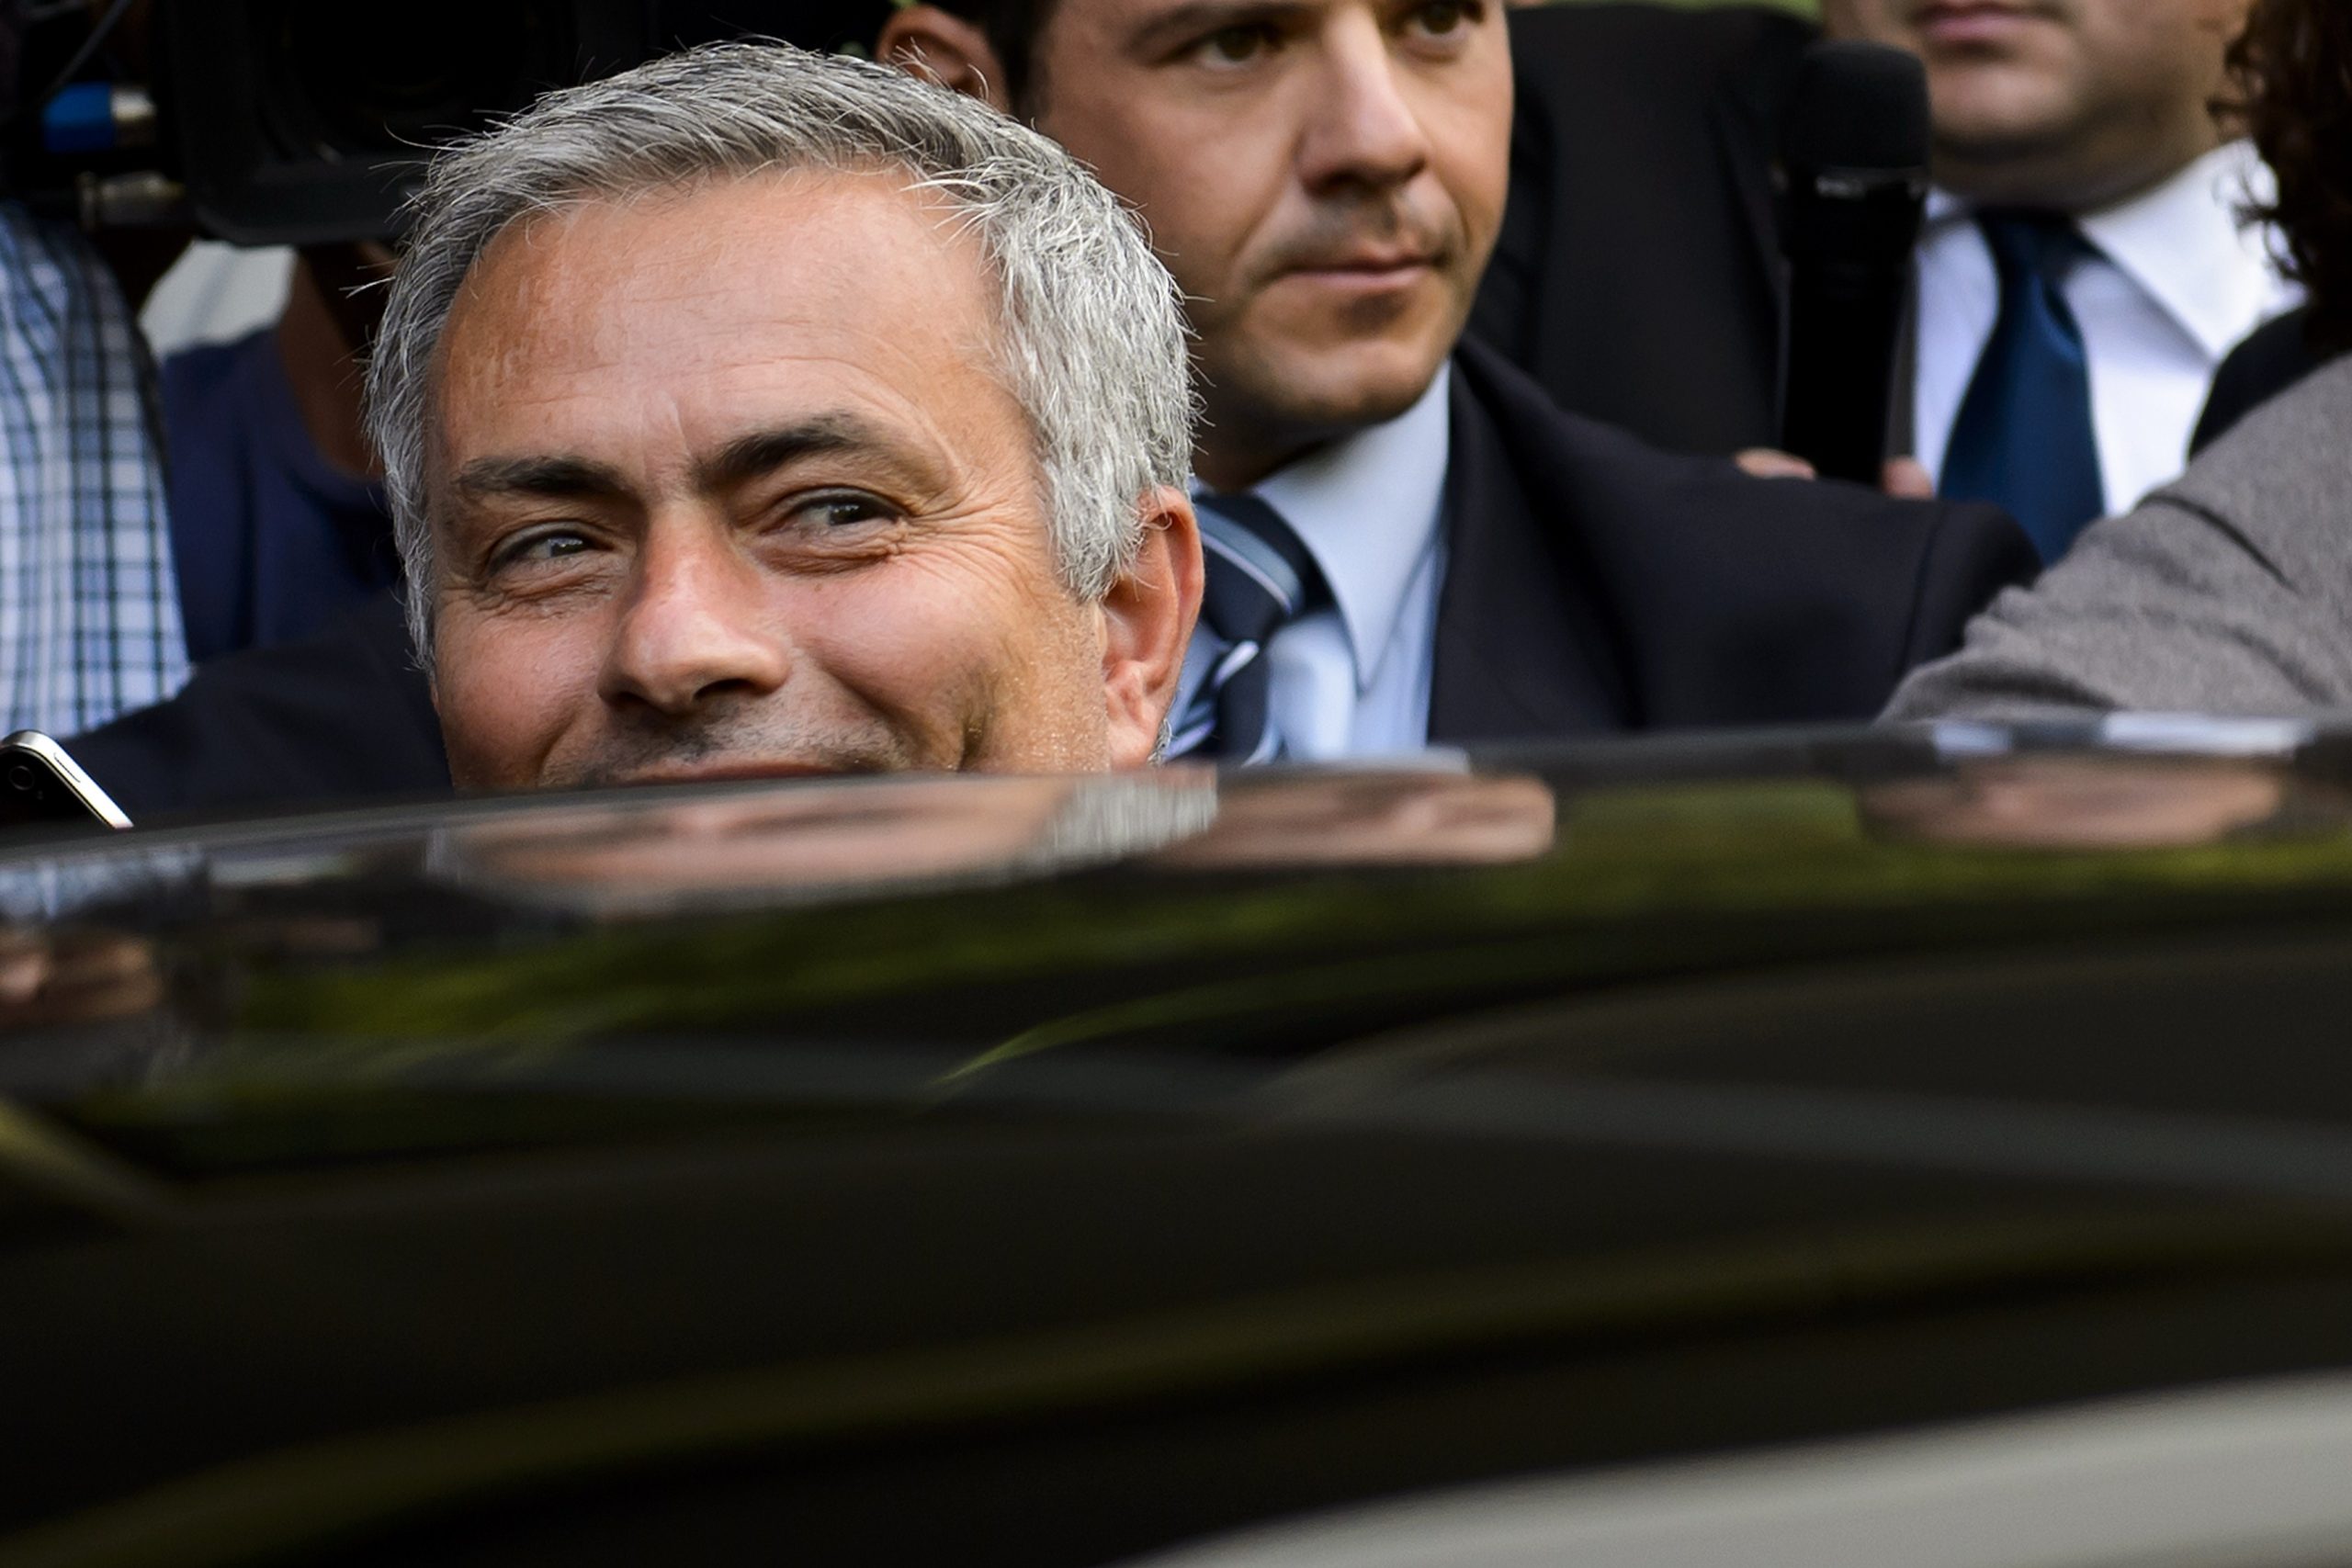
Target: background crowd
x,y
1539,499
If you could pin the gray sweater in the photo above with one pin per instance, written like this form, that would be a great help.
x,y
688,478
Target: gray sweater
x,y
2228,592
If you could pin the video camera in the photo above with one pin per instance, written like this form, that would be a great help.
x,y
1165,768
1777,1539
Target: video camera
x,y
309,121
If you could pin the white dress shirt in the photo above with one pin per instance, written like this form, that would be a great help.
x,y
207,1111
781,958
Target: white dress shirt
x,y
1354,679
2177,284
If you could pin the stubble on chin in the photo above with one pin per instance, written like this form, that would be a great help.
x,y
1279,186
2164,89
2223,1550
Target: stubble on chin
x,y
1303,382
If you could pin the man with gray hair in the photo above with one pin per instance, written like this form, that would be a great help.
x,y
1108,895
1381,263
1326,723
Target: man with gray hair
x,y
751,411
757,412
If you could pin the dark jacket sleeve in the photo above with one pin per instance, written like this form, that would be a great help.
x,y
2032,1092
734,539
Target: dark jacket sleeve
x,y
342,716
1972,552
2227,591
1731,599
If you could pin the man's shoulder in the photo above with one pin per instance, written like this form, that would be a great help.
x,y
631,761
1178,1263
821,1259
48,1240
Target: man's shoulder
x,y
1614,478
2277,479
345,714
1734,599
203,365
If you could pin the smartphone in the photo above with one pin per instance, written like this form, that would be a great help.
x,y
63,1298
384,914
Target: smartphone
x,y
39,783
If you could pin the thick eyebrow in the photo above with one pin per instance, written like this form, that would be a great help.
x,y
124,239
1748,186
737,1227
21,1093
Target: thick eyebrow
x,y
1198,19
747,457
556,479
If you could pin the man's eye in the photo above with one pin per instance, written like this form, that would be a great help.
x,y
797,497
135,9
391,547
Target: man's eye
x,y
537,550
1236,45
842,510
1443,18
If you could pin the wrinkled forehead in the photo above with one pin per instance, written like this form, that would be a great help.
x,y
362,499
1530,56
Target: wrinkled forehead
x,y
804,248
662,316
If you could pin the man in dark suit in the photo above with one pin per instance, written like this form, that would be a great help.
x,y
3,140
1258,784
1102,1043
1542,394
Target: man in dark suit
x,y
1408,542
1636,278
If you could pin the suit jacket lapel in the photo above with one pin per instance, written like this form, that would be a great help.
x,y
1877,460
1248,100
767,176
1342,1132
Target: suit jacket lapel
x,y
1521,652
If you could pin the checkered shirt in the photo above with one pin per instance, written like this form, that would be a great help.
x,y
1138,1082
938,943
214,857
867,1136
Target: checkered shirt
x,y
89,608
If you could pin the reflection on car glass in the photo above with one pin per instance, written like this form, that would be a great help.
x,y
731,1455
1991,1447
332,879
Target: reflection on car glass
x,y
64,884
2107,801
797,843
2172,734
70,952
1433,817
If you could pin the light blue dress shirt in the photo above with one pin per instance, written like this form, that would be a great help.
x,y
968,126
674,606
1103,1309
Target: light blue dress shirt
x,y
1354,679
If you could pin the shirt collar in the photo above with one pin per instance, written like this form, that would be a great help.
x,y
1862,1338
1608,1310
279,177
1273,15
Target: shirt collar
x,y
1367,507
2181,241
2183,245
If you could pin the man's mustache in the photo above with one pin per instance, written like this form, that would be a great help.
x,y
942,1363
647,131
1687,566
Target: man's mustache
x,y
1338,236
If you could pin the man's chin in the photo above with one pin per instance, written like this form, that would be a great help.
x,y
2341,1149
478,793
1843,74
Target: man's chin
x,y
1989,110
1291,371
1340,390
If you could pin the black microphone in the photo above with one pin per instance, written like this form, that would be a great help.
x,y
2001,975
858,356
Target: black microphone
x,y
1855,150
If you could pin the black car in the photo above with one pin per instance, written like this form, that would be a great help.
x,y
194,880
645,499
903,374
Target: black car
x,y
1502,1159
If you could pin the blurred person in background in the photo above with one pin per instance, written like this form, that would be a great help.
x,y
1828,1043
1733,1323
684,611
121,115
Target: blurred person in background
x,y
2229,592
1408,543
90,614
278,517
282,572
2085,268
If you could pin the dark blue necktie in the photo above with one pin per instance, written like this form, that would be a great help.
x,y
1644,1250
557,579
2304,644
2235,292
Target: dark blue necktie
x,y
1259,578
2024,437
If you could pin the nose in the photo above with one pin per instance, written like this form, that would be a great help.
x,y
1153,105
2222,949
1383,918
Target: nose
x,y
699,625
1362,131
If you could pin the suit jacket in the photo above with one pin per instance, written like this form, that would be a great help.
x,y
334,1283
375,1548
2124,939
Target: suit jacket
x,y
1637,276
340,715
1595,585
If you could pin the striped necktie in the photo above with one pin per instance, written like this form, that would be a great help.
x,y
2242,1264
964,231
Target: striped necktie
x,y
2024,436
1259,577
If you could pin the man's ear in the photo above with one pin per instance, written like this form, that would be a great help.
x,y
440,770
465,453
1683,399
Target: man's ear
x,y
1147,623
924,40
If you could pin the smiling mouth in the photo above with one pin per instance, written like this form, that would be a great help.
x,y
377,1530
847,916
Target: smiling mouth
x,y
1965,21
1368,272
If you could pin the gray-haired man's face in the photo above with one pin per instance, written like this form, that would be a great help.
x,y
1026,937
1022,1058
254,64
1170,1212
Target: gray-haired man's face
x,y
721,482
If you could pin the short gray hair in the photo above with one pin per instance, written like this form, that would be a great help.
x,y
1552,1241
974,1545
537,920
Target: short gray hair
x,y
1091,330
